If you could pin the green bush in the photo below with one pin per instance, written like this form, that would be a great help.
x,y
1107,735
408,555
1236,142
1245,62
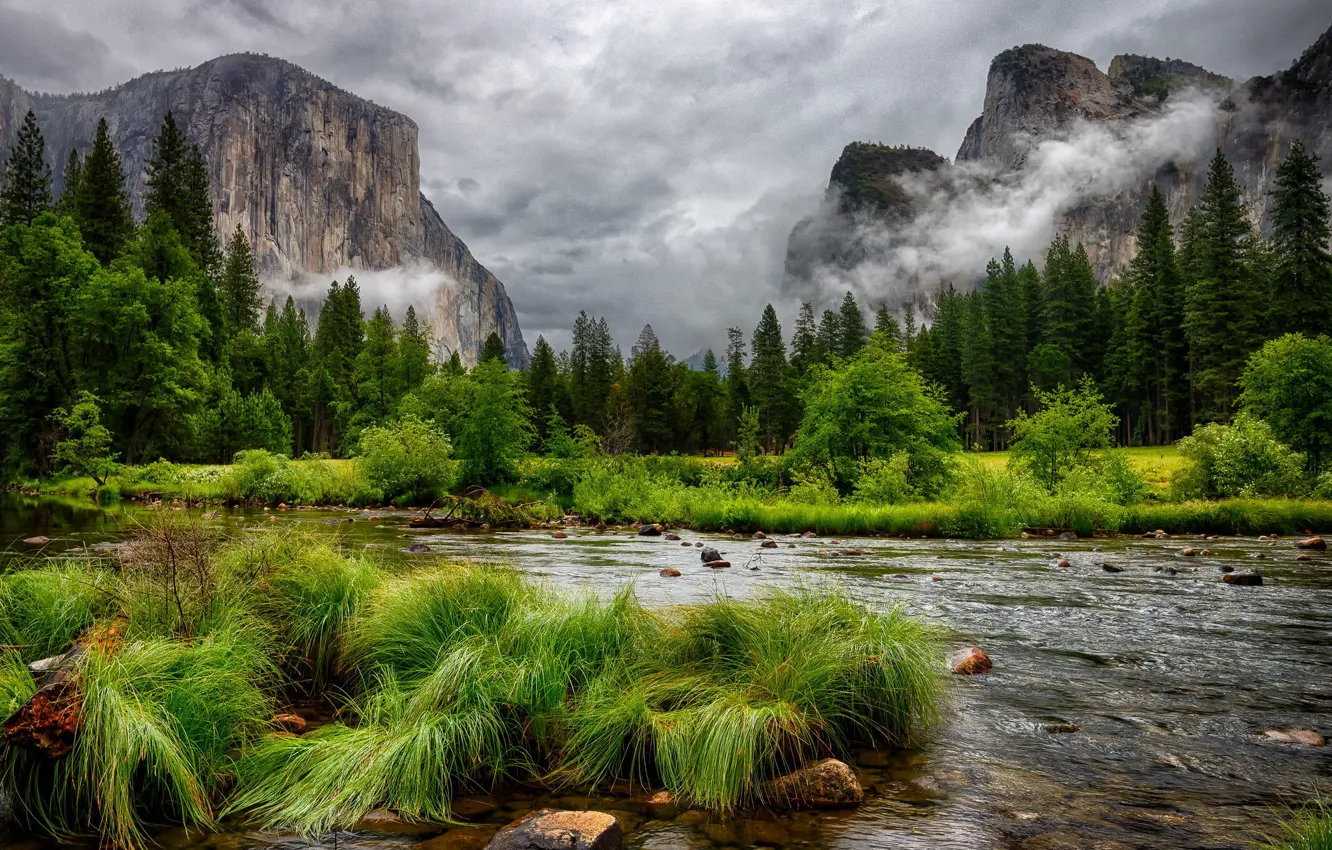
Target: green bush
x,y
404,463
265,478
1240,460
885,481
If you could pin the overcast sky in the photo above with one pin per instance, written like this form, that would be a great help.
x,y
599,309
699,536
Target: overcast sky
x,y
643,159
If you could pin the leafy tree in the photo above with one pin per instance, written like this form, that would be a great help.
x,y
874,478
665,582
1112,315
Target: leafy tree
x,y
238,287
1224,313
748,435
494,349
1300,233
407,461
767,379
86,445
102,206
1288,384
497,429
1243,459
875,406
851,327
25,191
1062,434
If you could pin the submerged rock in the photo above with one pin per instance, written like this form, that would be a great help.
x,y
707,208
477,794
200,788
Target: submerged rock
x,y
1244,579
1165,571
758,535
717,564
1304,556
1111,568
650,530
969,661
416,549
768,544
460,838
559,535
1306,737
826,784
809,534
385,822
669,572
672,536
548,829
1312,543
709,554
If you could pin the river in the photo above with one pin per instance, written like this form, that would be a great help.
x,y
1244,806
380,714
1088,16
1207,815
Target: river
x,y
1170,680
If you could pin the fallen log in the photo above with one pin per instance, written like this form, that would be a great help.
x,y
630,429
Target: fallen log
x,y
49,721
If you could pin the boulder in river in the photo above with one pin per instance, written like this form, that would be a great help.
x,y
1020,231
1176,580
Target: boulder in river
x,y
809,534
826,784
969,661
758,535
672,536
417,549
559,535
710,554
549,829
1165,571
1246,578
1312,543
669,572
768,544
651,529
1188,553
718,564
1304,556
1111,568
1063,563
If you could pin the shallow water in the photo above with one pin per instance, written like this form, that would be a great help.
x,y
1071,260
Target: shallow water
x,y
1170,679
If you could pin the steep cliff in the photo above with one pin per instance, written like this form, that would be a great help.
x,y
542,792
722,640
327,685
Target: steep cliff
x,y
1035,93
321,180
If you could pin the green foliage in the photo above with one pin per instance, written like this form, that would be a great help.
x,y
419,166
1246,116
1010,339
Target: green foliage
x,y
1301,226
261,477
875,406
1288,384
25,188
42,611
234,423
238,288
86,447
177,187
406,462
101,206
16,683
884,481
1244,459
748,438
1063,434
1309,828
497,430
493,349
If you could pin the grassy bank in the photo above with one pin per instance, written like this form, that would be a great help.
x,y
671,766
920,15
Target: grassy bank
x,y
448,679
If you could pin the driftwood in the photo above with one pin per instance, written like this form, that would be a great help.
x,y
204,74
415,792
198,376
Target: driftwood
x,y
479,508
48,723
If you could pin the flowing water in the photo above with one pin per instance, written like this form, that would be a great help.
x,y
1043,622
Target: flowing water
x,y
1170,681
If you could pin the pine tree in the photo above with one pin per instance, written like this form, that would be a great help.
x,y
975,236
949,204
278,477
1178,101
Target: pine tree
x,y
177,185
378,388
1300,233
26,191
886,329
649,392
494,349
1224,309
737,389
767,379
1005,311
543,386
238,286
852,326
709,413
69,189
413,352
943,365
978,371
804,342
1068,305
908,326
102,205
829,339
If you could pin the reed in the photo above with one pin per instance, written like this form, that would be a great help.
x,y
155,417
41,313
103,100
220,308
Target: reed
x,y
1309,828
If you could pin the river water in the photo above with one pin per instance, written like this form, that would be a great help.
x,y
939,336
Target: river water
x,y
1170,680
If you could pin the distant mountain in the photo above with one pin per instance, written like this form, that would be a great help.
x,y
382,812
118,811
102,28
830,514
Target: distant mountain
x,y
320,179
1035,93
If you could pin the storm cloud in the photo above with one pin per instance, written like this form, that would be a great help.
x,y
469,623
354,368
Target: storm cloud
x,y
643,160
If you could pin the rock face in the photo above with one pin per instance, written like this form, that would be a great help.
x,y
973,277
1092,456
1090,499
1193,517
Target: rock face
x,y
323,181
1034,93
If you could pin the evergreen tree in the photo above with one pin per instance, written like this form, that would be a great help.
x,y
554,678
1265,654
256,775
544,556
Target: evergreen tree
x,y
378,385
286,346
829,339
1155,361
1033,305
199,232
1300,233
25,191
69,188
494,349
337,343
102,206
737,390
239,287
709,425
177,185
943,363
978,372
1068,305
543,387
767,379
804,342
1005,307
852,327
649,392
1224,309
413,352
908,326
887,330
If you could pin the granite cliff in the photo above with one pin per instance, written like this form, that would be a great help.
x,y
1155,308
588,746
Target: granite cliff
x,y
321,180
1034,94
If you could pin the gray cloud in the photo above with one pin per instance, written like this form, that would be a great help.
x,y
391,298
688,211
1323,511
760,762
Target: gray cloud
x,y
644,160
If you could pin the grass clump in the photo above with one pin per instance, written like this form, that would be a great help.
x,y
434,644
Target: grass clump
x,y
42,610
1307,829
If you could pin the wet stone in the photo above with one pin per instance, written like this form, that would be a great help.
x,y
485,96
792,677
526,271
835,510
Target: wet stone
x,y
549,829
293,724
1317,543
461,838
826,784
669,572
673,537
474,807
1244,579
1306,737
710,554
970,661
385,822
717,564
768,544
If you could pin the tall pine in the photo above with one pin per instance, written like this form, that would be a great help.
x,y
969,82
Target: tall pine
x,y
102,206
25,191
1300,233
238,287
767,379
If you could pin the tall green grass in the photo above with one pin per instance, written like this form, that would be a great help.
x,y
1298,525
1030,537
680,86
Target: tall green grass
x,y
43,609
1307,829
472,676
16,683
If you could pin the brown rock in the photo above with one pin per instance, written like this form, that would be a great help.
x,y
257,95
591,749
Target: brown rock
x,y
548,829
717,565
768,544
559,535
758,535
1244,579
1312,543
809,534
37,541
1304,556
1188,553
969,661
674,536
1295,736
826,784
374,519
669,572
293,723
650,530
1063,563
